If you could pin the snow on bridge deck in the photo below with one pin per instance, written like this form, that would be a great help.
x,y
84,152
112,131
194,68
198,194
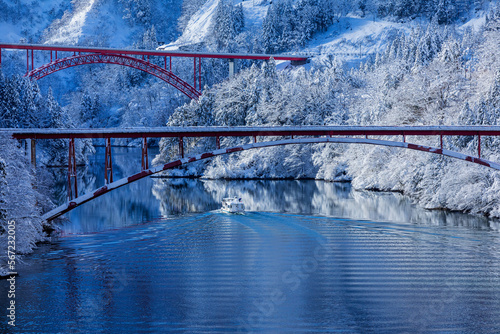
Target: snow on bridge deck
x,y
160,53
221,131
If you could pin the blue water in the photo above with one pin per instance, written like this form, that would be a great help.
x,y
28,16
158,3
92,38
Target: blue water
x,y
309,256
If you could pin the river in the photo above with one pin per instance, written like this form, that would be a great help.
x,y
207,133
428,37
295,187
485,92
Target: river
x,y
307,256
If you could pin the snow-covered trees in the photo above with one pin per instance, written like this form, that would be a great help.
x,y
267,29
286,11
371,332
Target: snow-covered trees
x,y
19,201
90,109
288,26
263,96
228,22
23,106
446,11
424,77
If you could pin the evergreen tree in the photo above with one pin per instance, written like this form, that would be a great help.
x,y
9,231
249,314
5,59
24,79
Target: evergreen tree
x,y
362,7
478,5
228,23
446,11
13,106
271,30
57,116
31,104
149,39
89,110
5,110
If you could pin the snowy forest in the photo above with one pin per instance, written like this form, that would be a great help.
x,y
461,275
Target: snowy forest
x,y
435,62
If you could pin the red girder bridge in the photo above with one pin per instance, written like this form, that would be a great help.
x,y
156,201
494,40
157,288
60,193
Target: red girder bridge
x,y
62,57
260,137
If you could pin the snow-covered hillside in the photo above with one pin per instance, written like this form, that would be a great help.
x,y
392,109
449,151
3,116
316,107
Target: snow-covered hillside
x,y
351,37
26,20
115,23
198,29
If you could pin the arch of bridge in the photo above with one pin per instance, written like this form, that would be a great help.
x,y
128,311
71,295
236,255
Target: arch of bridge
x,y
97,58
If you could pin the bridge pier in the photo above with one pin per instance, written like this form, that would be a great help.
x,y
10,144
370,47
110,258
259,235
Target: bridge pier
x,y
33,152
108,165
181,147
72,171
144,160
231,67
479,146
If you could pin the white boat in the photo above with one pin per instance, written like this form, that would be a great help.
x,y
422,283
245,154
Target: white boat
x,y
232,205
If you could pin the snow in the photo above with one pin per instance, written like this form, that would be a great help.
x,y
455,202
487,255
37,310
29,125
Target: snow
x,y
354,38
10,32
255,11
37,20
91,21
197,29
174,130
475,23
71,32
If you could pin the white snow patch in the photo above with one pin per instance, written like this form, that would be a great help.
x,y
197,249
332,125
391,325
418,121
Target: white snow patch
x,y
70,32
254,11
354,37
475,23
197,28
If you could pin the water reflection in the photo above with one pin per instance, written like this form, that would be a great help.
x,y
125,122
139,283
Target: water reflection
x,y
152,198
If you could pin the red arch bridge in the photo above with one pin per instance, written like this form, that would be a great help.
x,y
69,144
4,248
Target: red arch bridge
x,y
261,137
62,57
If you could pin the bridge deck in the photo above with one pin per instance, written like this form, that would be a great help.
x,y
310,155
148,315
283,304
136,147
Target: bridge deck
x,y
215,131
161,53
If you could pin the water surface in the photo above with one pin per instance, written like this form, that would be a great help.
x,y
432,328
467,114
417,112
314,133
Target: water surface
x,y
308,256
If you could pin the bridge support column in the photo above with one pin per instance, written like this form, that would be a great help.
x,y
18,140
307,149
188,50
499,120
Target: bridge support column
x,y
108,167
479,146
144,160
72,171
181,147
231,67
217,141
33,152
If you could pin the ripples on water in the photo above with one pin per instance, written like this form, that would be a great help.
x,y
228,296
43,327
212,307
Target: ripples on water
x,y
308,257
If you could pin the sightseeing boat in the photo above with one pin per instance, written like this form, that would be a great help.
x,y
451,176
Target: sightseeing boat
x,y
233,205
